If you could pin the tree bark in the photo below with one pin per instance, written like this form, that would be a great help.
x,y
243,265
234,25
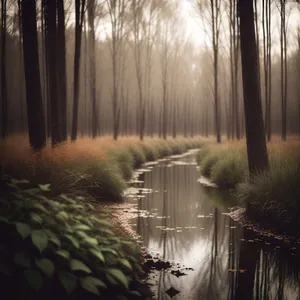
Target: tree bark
x,y
36,120
51,37
62,74
79,13
256,143
93,84
4,131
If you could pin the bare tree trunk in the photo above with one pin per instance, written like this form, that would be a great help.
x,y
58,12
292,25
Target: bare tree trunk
x,y
21,78
93,84
51,36
256,143
283,68
62,74
215,21
269,63
79,14
35,112
4,130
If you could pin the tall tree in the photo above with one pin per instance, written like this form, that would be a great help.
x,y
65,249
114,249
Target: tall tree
x,y
137,21
214,9
283,67
35,112
256,142
79,16
117,14
3,68
51,41
62,74
91,7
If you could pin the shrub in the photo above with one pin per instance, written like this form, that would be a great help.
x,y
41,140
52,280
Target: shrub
x,y
57,248
124,161
139,156
275,194
229,170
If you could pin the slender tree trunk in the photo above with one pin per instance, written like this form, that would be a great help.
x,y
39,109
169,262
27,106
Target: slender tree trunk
x,y
269,63
4,131
51,36
79,14
35,112
62,74
256,143
93,84
282,69
21,78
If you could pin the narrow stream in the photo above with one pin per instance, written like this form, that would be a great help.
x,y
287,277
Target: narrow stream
x,y
186,223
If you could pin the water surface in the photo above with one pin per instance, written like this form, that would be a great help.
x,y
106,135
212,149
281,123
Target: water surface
x,y
187,224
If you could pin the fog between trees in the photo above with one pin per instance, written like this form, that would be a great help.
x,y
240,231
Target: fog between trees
x,y
134,70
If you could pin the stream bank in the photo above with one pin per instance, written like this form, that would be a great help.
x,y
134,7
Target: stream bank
x,y
212,256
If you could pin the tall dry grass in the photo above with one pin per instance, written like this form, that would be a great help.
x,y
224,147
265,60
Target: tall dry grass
x,y
273,195
99,167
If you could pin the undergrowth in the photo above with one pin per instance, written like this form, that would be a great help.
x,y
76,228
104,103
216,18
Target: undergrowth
x,y
57,248
272,197
99,167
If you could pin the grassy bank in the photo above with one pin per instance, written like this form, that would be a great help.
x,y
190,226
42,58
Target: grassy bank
x,y
99,167
272,197
53,241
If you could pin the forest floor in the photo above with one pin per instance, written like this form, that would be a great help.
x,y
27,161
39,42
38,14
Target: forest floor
x,y
272,197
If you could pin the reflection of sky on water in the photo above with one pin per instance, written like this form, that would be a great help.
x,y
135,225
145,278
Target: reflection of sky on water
x,y
186,223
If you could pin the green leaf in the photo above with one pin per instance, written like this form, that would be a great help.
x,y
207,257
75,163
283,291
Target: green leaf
x,y
119,277
4,220
98,254
90,206
66,198
53,204
39,239
73,240
91,284
32,191
40,207
82,227
53,237
34,278
77,265
124,262
65,254
75,206
101,221
46,265
109,250
91,241
62,215
45,187
17,181
22,259
23,229
36,218
107,231
81,234
68,280
50,221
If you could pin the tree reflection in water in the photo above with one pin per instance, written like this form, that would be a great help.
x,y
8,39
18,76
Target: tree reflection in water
x,y
186,224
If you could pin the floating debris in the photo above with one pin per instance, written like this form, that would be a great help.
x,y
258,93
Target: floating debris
x,y
200,216
177,273
172,292
206,182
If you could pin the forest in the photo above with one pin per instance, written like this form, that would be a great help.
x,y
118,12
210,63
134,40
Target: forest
x,y
150,149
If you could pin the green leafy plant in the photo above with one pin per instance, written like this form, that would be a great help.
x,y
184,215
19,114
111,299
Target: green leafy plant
x,y
58,248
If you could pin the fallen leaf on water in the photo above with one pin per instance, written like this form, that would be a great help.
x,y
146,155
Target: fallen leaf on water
x,y
172,292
